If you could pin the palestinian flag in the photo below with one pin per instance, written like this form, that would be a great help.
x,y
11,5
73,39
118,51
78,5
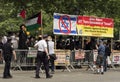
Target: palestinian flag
x,y
34,22
22,14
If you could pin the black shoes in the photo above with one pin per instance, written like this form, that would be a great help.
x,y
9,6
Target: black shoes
x,y
37,76
7,77
52,72
102,73
50,76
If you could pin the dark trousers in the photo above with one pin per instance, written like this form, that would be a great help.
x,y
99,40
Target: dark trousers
x,y
7,66
52,65
42,58
105,63
87,55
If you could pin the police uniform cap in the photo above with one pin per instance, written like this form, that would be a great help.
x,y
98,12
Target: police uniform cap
x,y
45,36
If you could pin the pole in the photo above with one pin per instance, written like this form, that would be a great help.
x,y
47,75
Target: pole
x,y
55,42
41,23
119,33
82,42
111,43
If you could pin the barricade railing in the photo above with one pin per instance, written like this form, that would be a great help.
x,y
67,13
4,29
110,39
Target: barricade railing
x,y
88,58
24,58
68,59
28,58
63,59
115,58
84,57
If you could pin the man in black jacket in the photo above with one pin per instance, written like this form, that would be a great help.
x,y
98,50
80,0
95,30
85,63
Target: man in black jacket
x,y
22,45
22,37
107,54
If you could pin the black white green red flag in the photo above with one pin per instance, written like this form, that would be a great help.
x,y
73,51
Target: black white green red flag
x,y
34,22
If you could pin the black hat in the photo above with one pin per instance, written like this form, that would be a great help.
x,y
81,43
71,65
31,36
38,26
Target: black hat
x,y
9,39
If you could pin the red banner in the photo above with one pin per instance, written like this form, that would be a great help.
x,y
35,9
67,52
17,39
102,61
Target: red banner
x,y
93,26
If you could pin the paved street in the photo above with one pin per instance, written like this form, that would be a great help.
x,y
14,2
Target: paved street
x,y
79,75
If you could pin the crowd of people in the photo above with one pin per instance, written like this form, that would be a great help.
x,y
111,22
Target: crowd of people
x,y
45,47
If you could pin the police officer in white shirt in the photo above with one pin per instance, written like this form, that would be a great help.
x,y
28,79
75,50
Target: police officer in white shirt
x,y
42,57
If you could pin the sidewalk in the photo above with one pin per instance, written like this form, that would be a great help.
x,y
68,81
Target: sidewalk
x,y
78,75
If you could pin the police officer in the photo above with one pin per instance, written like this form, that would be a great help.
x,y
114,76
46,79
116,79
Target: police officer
x,y
8,51
42,57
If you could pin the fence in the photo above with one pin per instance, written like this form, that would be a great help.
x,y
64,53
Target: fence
x,y
28,57
115,57
88,58
68,59
84,57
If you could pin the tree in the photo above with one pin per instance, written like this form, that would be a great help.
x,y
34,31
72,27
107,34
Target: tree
x,y
99,8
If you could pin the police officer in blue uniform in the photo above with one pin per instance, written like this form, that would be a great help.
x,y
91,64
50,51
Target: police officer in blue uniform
x,y
8,52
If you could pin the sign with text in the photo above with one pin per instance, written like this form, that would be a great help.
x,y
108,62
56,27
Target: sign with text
x,y
79,54
93,26
116,58
62,57
64,24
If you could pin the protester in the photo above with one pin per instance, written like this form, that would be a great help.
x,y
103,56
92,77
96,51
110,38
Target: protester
x,y
31,42
42,57
72,43
51,53
22,38
100,58
4,39
87,47
107,54
14,41
22,44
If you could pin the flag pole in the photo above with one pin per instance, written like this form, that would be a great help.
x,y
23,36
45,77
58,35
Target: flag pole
x,y
41,23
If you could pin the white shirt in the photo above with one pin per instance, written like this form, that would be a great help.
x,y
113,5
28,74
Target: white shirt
x,y
51,47
4,39
14,42
41,45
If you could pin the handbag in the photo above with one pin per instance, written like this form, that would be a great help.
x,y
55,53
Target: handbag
x,y
53,56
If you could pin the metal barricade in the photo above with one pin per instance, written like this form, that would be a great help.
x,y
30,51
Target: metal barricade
x,y
66,58
114,59
88,58
92,56
84,58
24,58
28,58
63,59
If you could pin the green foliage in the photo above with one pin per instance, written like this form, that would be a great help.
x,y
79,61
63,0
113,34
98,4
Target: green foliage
x,y
100,8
